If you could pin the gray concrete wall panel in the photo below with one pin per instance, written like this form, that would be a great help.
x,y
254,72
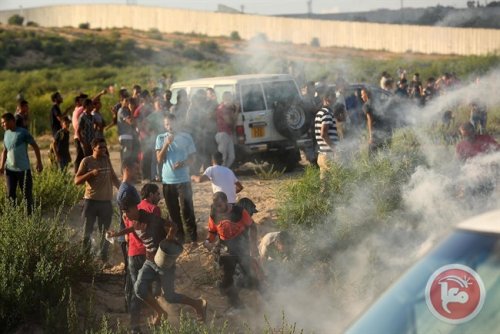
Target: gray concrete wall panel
x,y
358,35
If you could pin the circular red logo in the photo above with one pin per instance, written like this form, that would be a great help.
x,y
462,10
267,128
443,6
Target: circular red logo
x,y
455,293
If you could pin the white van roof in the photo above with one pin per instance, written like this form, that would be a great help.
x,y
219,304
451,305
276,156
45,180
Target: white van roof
x,y
488,222
233,80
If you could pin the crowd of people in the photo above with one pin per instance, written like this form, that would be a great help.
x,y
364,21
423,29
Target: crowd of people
x,y
340,113
171,144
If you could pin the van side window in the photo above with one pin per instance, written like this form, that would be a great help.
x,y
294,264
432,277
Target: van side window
x,y
253,99
220,89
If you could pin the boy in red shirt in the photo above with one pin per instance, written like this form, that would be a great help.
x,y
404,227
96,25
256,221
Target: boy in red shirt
x,y
150,197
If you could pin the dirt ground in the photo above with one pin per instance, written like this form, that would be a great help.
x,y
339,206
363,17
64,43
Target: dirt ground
x,y
196,271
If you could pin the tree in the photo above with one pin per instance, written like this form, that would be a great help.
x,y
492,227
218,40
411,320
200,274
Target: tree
x,y
16,20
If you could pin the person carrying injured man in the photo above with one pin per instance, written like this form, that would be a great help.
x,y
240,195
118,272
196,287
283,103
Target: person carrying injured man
x,y
235,229
152,230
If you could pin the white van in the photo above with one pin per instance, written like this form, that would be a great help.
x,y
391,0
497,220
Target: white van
x,y
271,121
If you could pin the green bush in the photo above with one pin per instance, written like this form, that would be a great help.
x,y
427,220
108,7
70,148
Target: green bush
x,y
85,25
16,20
154,33
53,189
32,24
193,54
38,265
178,44
235,36
210,47
308,201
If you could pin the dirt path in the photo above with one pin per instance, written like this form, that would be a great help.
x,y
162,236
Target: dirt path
x,y
196,272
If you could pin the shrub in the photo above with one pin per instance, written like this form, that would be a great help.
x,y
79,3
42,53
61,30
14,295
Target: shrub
x,y
16,20
210,47
53,189
154,33
315,42
178,44
193,54
115,34
301,202
309,202
32,24
234,36
85,25
38,265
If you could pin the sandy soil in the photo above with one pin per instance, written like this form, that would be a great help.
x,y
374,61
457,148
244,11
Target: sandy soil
x,y
196,271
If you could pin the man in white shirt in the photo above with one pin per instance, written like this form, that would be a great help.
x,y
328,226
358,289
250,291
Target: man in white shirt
x,y
222,178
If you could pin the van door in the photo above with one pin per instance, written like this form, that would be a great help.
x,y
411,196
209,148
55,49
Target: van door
x,y
257,121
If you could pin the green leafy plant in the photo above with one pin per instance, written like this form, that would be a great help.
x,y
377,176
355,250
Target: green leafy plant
x,y
154,33
16,19
38,265
235,36
84,25
210,47
53,189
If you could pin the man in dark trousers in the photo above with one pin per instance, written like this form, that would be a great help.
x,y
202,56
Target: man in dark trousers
x,y
15,162
379,129
135,253
97,174
175,149
235,229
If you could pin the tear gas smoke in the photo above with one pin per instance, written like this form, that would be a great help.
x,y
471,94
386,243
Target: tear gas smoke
x,y
326,297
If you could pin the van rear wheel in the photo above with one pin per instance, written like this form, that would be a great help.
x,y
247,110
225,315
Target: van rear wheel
x,y
291,121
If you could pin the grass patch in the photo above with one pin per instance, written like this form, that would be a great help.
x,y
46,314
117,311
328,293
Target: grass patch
x,y
308,201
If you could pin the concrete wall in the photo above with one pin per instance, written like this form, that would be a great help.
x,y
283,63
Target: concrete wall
x,y
367,36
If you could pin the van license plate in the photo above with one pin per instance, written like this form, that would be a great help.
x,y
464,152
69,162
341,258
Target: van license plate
x,y
258,132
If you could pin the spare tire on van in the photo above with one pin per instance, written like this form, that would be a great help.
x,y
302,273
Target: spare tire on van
x,y
291,120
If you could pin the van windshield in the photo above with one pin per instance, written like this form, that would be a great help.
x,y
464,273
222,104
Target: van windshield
x,y
403,308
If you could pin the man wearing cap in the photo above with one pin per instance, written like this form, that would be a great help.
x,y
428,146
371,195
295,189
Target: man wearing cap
x,y
222,178
151,230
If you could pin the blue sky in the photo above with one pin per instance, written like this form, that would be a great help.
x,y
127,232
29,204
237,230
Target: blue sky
x,y
254,6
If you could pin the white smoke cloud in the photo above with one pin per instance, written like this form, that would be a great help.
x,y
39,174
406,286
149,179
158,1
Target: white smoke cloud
x,y
436,198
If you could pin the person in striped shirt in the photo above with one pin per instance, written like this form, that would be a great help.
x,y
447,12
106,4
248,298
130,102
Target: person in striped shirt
x,y
325,130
